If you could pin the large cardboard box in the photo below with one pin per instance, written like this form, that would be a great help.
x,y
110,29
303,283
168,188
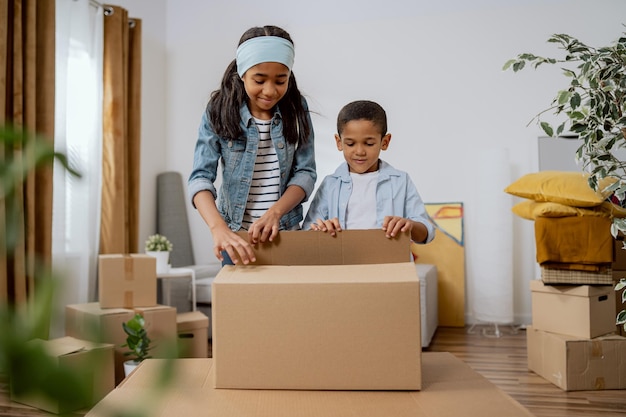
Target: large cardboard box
x,y
127,280
193,334
89,321
91,363
450,388
585,311
331,326
577,364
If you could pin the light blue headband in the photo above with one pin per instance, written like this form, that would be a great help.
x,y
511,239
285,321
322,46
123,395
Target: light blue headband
x,y
264,49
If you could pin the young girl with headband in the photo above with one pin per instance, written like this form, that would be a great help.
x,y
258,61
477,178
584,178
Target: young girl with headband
x,y
257,124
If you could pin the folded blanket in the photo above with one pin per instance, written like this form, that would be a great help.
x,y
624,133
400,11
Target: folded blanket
x,y
557,276
570,266
576,240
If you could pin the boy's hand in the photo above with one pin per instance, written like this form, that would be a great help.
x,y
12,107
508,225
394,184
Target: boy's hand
x,y
392,225
332,226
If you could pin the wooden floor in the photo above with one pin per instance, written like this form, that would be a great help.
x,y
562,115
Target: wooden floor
x,y
501,359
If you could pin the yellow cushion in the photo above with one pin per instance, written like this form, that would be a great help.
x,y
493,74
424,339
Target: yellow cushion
x,y
563,187
530,210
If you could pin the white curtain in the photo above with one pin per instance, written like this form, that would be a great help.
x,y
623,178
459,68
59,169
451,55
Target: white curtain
x,y
493,287
78,134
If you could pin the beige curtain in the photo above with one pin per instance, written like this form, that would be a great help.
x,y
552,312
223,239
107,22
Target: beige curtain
x,y
119,227
27,53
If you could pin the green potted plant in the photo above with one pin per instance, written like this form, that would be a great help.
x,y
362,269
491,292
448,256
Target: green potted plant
x,y
137,341
160,247
594,107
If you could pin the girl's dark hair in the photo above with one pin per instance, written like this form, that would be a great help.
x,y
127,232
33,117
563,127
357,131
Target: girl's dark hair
x,y
225,102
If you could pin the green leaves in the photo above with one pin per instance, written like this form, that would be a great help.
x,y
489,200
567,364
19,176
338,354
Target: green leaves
x,y
593,104
547,128
137,339
158,243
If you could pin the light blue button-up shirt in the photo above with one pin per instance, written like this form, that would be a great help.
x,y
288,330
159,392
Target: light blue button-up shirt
x,y
297,167
396,195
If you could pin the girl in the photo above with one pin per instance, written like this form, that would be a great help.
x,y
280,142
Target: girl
x,y
258,125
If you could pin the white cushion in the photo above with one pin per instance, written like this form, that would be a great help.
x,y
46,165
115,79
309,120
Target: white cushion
x,y
203,290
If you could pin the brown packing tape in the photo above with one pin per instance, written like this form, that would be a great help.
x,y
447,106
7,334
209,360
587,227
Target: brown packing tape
x,y
599,384
128,299
128,268
596,349
128,276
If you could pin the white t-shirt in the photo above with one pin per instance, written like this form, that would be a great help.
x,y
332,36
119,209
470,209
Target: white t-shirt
x,y
361,212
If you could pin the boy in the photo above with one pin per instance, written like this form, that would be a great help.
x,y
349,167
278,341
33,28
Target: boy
x,y
366,192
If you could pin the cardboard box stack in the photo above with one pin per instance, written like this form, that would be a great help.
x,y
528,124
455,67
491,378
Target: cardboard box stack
x,y
127,286
572,341
320,312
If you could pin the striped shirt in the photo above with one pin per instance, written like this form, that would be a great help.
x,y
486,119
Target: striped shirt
x,y
265,185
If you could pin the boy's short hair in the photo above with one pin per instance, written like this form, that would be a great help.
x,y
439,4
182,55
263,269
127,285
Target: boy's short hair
x,y
362,110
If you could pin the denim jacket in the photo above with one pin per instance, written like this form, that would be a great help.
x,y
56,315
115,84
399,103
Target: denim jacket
x,y
396,195
237,157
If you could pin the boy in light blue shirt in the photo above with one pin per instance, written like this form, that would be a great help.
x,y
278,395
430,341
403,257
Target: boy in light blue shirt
x,y
365,192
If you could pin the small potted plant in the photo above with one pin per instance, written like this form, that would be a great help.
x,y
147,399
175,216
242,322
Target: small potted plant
x,y
160,247
137,341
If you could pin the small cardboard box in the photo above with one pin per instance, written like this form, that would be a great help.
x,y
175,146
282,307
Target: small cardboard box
x,y
91,362
577,310
451,388
577,364
193,334
127,281
89,321
338,322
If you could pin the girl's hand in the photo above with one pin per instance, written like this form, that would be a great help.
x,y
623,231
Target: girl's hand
x,y
332,226
237,248
393,225
265,228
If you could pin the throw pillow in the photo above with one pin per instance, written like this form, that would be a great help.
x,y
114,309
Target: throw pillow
x,y
564,187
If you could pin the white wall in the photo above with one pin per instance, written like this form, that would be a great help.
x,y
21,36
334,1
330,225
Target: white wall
x,y
434,65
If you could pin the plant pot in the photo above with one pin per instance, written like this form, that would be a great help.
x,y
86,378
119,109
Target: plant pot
x,y
162,261
129,366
